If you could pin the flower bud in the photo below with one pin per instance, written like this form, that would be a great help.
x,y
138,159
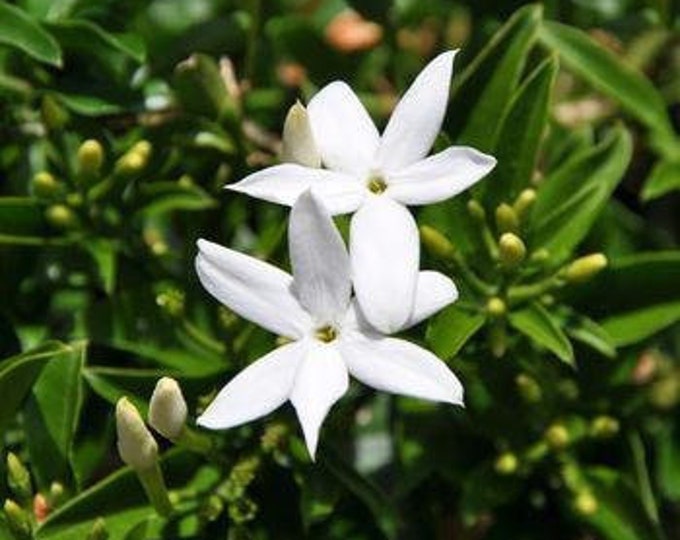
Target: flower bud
x,y
557,436
45,185
506,219
171,301
167,409
136,446
540,256
529,390
476,210
61,216
436,243
495,307
98,530
585,503
524,202
200,87
90,158
506,464
603,427
585,268
18,520
54,116
664,394
18,478
135,159
57,493
41,507
511,250
298,142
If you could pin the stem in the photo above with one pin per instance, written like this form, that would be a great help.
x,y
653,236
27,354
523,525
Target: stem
x,y
477,283
154,487
521,293
201,338
195,441
637,450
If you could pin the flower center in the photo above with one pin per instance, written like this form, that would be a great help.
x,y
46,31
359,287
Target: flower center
x,y
376,184
326,333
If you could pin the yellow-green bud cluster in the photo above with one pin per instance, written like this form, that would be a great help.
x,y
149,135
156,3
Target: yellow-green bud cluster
x,y
557,436
506,464
512,250
18,520
18,478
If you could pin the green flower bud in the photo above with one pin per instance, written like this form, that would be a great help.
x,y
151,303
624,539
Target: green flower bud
x,y
298,142
540,256
585,268
18,520
61,216
212,508
135,159
136,446
57,494
90,158
168,409
524,202
603,427
242,510
664,394
506,219
512,250
98,530
495,307
54,116
18,478
200,87
585,503
557,436
476,210
172,302
74,200
529,390
506,464
498,339
436,243
274,437
143,148
45,185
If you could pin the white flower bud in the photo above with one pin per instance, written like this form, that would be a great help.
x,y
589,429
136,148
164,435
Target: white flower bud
x,y
167,409
298,141
136,445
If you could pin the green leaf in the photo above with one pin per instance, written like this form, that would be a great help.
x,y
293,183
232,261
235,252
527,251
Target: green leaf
x,y
592,334
537,324
609,74
19,30
52,413
634,326
482,92
664,178
105,255
520,135
89,105
570,198
668,460
17,375
451,328
22,222
159,197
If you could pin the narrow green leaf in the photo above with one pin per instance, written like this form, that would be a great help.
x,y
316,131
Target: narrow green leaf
x,y
633,326
17,375
664,178
159,197
520,135
592,334
570,198
482,92
451,328
52,413
21,218
20,30
105,255
668,460
609,74
537,324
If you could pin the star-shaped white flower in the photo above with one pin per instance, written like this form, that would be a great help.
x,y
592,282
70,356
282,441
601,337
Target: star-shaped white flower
x,y
314,308
376,176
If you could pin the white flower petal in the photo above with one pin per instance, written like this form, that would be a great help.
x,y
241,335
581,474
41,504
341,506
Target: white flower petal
x,y
321,276
252,288
385,253
344,132
400,367
439,177
320,381
257,390
283,184
418,116
434,291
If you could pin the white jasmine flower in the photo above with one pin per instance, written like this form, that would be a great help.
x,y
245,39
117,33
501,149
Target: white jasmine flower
x,y
314,308
376,176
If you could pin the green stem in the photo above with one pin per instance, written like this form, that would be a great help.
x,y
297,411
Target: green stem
x,y
201,338
154,487
477,283
195,441
521,293
637,450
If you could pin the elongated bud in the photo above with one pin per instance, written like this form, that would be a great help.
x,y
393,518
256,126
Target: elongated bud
x,y
41,507
495,307
18,478
298,142
511,250
54,115
135,159
45,185
61,216
57,494
603,427
529,390
143,148
18,520
585,268
557,436
506,464
90,158
506,219
98,530
476,210
585,503
436,243
136,445
167,409
524,202
200,86
540,256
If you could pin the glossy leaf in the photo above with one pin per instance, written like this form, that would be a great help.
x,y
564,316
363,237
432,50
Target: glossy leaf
x,y
451,328
21,31
570,198
664,178
592,334
160,197
537,324
633,326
